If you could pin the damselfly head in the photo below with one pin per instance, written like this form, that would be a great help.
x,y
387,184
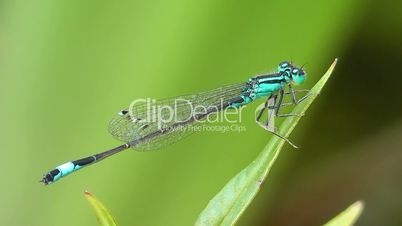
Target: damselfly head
x,y
298,76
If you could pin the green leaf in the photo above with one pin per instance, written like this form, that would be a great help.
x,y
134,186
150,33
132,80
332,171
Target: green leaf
x,y
102,214
349,216
229,204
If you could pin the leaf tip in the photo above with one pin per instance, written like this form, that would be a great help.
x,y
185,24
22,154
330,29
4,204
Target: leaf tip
x,y
358,206
332,67
349,216
336,59
102,213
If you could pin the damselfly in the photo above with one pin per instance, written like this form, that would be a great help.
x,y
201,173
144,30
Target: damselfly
x,y
143,129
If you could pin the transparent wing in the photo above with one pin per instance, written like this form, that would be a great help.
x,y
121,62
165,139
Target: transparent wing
x,y
150,125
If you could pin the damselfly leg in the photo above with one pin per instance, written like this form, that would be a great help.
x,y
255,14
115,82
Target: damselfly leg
x,y
293,92
273,105
295,101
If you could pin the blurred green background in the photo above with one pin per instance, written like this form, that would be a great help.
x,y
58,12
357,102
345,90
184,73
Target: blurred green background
x,y
66,67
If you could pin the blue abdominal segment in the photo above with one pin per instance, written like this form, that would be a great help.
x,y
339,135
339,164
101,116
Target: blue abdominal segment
x,y
66,169
61,171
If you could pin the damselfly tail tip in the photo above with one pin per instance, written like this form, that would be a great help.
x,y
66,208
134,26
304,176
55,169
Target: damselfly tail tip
x,y
44,180
49,177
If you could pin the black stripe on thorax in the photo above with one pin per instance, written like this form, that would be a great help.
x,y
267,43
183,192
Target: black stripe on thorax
x,y
272,81
272,75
